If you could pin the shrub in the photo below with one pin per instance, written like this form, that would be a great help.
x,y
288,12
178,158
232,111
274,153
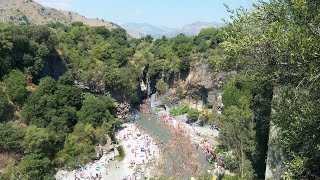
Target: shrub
x,y
180,110
193,114
121,155
161,87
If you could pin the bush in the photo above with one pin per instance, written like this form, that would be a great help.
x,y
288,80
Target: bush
x,y
185,64
16,83
161,87
121,155
180,110
230,177
193,114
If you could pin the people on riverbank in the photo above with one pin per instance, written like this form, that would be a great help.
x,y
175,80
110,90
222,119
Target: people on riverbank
x,y
200,143
140,150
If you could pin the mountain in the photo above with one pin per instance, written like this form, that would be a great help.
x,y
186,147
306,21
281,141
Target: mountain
x,y
159,31
147,29
194,28
30,12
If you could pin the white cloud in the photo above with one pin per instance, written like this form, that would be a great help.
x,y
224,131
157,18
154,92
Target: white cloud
x,y
57,4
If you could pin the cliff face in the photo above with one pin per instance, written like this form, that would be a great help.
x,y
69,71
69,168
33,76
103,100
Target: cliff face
x,y
275,166
199,88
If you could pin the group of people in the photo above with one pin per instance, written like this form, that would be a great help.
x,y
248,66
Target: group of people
x,y
200,143
207,148
91,171
140,150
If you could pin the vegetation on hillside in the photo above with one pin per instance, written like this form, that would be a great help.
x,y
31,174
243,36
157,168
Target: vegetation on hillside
x,y
51,122
275,50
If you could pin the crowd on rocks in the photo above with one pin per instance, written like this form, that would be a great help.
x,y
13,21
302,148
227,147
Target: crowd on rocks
x,y
141,151
201,143
92,171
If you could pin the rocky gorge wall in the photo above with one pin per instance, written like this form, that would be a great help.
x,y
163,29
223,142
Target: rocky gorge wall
x,y
199,88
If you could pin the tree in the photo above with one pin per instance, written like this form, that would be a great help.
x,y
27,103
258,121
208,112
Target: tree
x,y
297,116
37,141
161,87
35,166
79,147
47,85
6,46
51,100
67,95
4,106
276,41
211,36
103,31
237,132
96,110
11,136
148,39
185,64
16,84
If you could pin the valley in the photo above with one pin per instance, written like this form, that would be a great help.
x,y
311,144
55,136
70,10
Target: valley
x,y
85,98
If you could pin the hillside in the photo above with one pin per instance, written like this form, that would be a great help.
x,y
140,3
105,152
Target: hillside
x,y
194,28
30,12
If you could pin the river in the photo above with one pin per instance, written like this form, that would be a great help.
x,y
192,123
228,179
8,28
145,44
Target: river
x,y
150,122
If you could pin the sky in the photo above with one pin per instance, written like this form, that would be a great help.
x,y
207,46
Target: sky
x,y
169,13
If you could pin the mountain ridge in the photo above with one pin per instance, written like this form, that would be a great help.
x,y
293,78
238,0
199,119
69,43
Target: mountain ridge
x,y
31,12
159,31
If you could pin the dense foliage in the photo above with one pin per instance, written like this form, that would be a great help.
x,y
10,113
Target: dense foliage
x,y
50,121
275,49
47,133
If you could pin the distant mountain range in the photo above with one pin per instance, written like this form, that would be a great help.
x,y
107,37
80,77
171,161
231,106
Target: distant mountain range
x,y
30,12
159,31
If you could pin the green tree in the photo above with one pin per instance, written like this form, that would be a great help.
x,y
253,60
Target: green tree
x,y
35,166
283,53
4,105
11,136
96,110
79,147
237,132
104,32
161,87
37,140
16,84
185,64
67,95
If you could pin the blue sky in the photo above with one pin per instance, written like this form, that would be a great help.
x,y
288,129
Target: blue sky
x,y
169,13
